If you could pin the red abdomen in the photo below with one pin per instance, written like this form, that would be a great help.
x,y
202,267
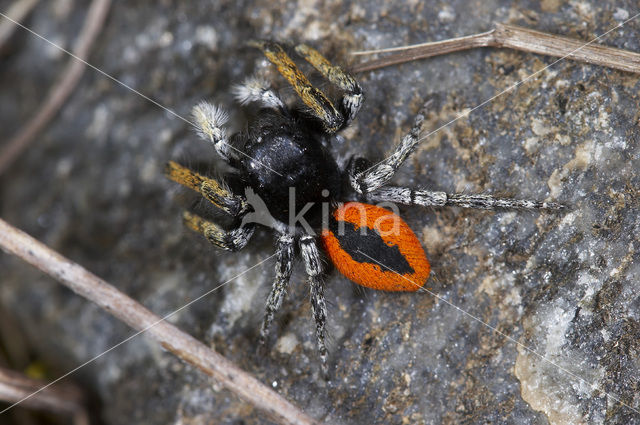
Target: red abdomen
x,y
375,248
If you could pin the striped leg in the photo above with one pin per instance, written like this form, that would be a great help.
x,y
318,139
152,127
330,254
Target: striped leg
x,y
231,240
320,105
213,191
353,97
313,267
406,196
377,175
284,265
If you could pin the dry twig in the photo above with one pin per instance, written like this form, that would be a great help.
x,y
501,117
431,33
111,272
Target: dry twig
x,y
513,37
62,89
63,398
88,285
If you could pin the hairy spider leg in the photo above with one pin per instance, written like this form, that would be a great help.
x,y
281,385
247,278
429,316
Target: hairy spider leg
x,y
209,188
370,181
313,267
426,198
320,105
284,265
209,122
379,174
257,90
221,197
353,97
231,240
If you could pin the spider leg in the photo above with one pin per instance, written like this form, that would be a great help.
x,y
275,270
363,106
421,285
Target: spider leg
x,y
313,267
256,89
284,264
231,240
209,121
353,97
377,175
320,105
406,196
210,188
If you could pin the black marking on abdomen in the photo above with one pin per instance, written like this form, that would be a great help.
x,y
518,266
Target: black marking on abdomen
x,y
362,248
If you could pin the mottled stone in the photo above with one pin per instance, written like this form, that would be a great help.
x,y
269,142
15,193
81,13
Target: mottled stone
x,y
564,286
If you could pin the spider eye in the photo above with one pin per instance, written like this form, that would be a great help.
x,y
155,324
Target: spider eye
x,y
375,248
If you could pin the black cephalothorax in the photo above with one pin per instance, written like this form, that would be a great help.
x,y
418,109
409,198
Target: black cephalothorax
x,y
283,154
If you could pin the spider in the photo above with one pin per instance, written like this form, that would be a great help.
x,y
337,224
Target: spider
x,y
284,157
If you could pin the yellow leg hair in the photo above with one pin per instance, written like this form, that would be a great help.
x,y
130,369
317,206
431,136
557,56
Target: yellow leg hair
x,y
232,240
208,187
312,97
335,74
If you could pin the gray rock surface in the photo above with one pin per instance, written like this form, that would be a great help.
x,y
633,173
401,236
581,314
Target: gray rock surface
x,y
563,285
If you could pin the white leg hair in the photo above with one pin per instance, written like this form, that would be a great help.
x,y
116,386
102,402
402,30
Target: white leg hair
x,y
284,264
377,175
257,89
406,196
209,122
313,266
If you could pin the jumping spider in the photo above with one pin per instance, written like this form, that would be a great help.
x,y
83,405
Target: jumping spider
x,y
290,147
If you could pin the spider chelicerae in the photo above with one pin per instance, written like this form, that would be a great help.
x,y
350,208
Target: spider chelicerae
x,y
284,158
